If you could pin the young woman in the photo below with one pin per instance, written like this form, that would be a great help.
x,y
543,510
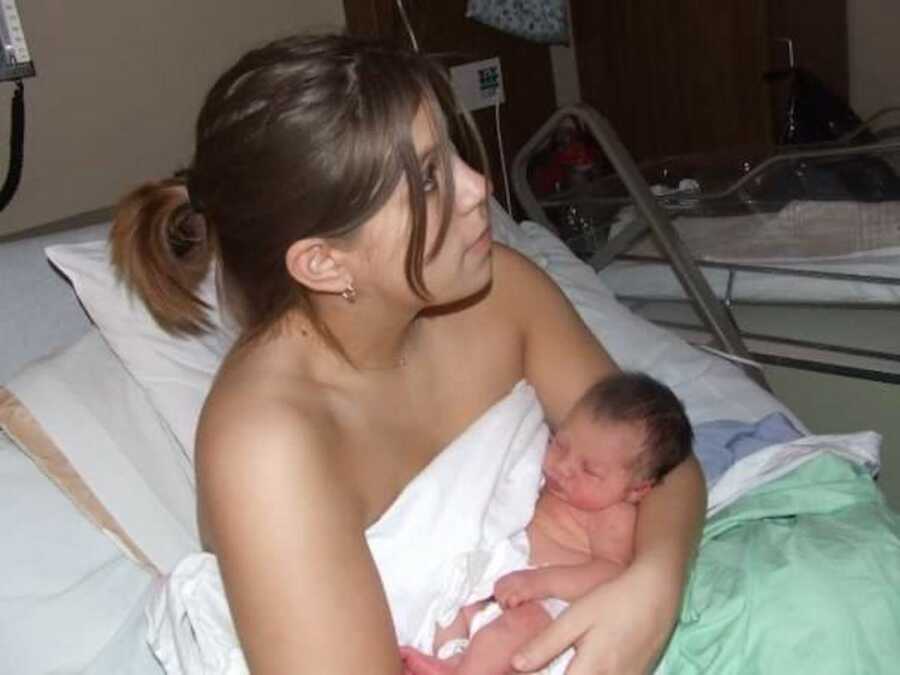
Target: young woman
x,y
378,322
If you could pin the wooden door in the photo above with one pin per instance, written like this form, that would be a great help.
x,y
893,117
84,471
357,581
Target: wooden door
x,y
688,75
675,77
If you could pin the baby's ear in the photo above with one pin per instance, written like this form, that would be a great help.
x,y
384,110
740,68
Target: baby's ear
x,y
638,491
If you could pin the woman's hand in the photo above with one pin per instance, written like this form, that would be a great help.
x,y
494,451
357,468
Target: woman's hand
x,y
619,628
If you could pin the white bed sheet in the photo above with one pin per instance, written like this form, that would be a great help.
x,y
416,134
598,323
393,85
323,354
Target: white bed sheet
x,y
40,311
70,600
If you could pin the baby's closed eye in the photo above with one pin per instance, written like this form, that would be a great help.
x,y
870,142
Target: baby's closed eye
x,y
593,471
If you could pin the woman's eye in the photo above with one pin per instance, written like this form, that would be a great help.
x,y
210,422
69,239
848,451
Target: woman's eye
x,y
429,178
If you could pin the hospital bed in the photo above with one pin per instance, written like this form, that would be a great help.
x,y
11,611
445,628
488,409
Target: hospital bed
x,y
767,247
96,480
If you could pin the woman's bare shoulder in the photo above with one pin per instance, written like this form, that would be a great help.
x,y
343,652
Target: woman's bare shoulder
x,y
522,294
247,421
518,282
254,406
251,437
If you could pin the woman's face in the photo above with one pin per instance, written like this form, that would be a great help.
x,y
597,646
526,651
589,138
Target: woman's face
x,y
462,266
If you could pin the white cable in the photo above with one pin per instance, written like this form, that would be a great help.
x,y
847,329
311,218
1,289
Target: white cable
x,y
730,357
409,30
502,158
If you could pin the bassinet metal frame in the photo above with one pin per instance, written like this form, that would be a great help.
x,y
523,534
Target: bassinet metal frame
x,y
716,315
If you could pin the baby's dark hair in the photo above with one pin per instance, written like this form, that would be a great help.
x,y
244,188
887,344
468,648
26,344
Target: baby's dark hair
x,y
636,397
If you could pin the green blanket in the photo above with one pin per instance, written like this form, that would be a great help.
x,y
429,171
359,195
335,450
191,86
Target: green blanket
x,y
801,575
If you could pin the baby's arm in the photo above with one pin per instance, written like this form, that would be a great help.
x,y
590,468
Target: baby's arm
x,y
611,538
566,582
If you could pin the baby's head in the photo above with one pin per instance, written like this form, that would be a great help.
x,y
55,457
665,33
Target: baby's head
x,y
619,440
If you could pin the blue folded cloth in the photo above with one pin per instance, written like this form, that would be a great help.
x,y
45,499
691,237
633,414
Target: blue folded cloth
x,y
720,443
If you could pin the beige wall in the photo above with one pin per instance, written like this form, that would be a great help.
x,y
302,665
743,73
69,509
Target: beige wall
x,y
874,40
118,88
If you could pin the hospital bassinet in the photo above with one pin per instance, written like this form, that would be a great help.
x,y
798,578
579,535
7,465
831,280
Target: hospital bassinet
x,y
760,243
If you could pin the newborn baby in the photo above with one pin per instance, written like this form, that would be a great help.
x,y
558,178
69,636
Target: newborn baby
x,y
620,439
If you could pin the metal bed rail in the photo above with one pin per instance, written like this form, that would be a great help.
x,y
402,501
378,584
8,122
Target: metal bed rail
x,y
735,267
863,364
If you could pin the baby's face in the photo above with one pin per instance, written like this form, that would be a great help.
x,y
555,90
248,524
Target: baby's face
x,y
594,464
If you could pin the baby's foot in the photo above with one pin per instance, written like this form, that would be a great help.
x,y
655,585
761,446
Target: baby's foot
x,y
418,663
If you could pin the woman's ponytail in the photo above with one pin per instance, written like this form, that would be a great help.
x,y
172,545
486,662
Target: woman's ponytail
x,y
161,249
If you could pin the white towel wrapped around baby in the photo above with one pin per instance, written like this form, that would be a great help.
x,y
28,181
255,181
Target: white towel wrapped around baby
x,y
442,544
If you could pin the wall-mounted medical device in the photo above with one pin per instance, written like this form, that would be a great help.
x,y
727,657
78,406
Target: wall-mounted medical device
x,y
15,65
15,60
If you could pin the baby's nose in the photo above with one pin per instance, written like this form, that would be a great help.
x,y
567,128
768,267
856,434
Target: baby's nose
x,y
563,467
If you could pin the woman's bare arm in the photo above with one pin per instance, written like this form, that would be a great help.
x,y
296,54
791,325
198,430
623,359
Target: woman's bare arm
x,y
562,359
562,356
659,519
288,532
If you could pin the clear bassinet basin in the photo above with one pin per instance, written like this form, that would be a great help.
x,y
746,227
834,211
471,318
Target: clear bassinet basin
x,y
758,204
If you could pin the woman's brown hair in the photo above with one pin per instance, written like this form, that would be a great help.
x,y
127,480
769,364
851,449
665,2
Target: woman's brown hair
x,y
304,137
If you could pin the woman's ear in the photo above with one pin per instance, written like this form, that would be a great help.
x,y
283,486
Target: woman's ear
x,y
318,266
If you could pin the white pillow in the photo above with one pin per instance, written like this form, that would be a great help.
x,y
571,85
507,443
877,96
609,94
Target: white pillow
x,y
103,423
176,372
71,599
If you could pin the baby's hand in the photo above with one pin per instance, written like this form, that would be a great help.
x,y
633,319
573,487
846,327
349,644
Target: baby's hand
x,y
515,588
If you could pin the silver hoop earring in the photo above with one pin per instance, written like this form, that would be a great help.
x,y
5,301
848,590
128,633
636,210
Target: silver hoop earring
x,y
349,293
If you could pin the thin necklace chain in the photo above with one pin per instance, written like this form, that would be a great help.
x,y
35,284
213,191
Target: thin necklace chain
x,y
401,362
